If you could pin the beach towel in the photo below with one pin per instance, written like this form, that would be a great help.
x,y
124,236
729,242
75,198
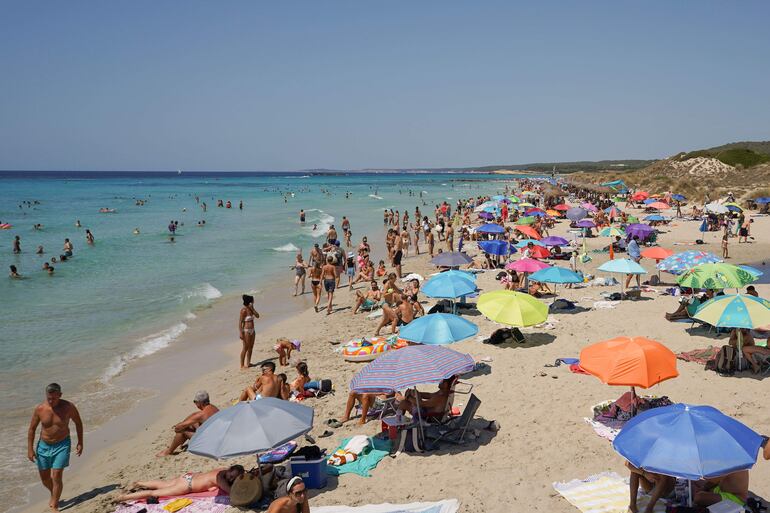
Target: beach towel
x,y
366,461
699,355
601,429
199,504
445,506
278,454
606,492
350,452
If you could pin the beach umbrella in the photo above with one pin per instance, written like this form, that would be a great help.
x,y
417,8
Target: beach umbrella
x,y
525,204
553,213
535,213
484,205
716,208
537,252
528,193
525,220
554,241
495,247
526,265
678,197
556,275
486,215
641,230
586,223
589,206
490,228
762,200
611,231
438,329
613,211
575,214
681,262
629,361
564,207
649,201
499,198
735,311
523,243
450,285
492,210
251,427
410,366
657,253
622,266
753,270
528,231
514,199
511,308
533,210
689,442
655,217
715,276
451,259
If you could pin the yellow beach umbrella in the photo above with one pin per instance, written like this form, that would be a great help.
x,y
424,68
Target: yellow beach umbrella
x,y
512,308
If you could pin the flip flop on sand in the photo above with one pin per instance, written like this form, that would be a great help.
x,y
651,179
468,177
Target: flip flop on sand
x,y
325,434
333,423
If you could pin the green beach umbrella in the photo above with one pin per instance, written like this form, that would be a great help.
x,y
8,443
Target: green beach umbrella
x,y
512,308
526,220
611,231
514,199
716,276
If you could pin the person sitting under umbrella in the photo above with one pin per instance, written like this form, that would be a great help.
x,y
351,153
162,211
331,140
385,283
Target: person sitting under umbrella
x,y
222,478
184,430
732,487
295,500
430,404
401,315
655,485
748,353
367,402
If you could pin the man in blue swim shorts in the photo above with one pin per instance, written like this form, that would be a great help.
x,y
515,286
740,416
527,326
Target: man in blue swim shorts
x,y
52,452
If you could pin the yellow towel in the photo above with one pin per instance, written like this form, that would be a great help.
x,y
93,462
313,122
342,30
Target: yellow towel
x,y
603,493
177,504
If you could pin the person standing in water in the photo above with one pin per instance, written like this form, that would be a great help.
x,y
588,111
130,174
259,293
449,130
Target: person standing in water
x,y
302,216
17,245
300,270
246,330
89,237
52,452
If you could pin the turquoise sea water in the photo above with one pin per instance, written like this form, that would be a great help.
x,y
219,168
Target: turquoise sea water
x,y
128,295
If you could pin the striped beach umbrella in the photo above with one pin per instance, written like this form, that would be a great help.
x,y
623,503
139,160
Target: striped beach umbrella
x,y
611,231
409,367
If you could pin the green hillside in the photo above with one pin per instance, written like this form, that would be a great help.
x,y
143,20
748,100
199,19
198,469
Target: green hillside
x,y
745,154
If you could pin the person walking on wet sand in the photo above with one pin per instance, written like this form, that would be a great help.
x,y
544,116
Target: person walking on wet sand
x,y
52,452
329,276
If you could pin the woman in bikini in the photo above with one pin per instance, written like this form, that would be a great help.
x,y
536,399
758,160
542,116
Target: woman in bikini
x,y
246,330
299,274
315,282
222,478
303,377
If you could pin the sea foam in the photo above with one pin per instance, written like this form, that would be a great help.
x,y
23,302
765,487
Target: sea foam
x,y
205,290
286,247
149,345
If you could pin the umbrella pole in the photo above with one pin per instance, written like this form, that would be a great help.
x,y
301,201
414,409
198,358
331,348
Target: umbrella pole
x,y
689,493
740,349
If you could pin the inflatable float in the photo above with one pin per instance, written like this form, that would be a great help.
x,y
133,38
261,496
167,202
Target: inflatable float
x,y
366,350
107,211
5,226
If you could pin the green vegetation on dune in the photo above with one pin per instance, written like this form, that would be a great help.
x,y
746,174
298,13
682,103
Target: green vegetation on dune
x,y
733,156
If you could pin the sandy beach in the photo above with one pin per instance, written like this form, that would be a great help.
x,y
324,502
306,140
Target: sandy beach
x,y
543,437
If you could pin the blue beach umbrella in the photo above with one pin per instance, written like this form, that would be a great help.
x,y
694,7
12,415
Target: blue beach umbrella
x,y
409,367
649,201
686,260
438,329
451,259
678,197
656,217
734,208
690,442
556,274
622,266
486,215
490,228
251,427
495,247
553,241
450,284
763,200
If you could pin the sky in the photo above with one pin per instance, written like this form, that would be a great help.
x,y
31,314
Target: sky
x,y
289,85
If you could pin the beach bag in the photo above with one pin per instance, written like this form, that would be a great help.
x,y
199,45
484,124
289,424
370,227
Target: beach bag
x,y
725,361
408,440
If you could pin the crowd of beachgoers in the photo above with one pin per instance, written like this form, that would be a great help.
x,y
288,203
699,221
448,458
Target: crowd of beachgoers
x,y
483,274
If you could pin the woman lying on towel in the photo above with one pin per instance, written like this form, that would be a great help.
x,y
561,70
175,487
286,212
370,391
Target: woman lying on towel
x,y
295,500
222,478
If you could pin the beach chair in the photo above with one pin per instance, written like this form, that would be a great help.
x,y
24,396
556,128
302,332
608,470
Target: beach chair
x,y
764,364
455,429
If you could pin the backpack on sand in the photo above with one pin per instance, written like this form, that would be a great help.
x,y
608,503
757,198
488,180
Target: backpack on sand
x,y
725,361
407,440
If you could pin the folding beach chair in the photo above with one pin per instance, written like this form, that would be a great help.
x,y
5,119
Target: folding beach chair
x,y
764,362
453,431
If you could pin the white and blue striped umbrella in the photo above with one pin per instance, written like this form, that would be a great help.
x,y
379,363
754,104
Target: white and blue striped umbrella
x,y
410,366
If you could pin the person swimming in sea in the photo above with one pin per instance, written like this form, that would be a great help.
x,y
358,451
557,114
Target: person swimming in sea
x,y
302,216
89,237
77,224
136,231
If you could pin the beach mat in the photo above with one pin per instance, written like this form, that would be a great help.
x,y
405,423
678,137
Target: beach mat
x,y
200,504
603,430
699,355
445,506
606,492
366,461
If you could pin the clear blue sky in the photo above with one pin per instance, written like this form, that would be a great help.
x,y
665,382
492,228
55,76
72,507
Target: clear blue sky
x,y
282,85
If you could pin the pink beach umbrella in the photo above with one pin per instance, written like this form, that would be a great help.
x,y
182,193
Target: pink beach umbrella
x,y
589,206
526,265
658,205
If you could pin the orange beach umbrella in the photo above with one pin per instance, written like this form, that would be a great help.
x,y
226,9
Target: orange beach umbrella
x,y
629,361
657,253
528,231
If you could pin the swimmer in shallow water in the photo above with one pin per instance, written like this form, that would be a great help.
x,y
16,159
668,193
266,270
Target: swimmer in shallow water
x,y
136,231
14,273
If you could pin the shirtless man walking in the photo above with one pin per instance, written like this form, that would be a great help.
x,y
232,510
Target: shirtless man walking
x,y
52,452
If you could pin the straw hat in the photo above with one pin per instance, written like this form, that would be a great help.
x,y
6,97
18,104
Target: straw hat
x,y
246,490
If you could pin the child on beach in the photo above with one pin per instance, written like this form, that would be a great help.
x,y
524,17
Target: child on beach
x,y
724,246
284,347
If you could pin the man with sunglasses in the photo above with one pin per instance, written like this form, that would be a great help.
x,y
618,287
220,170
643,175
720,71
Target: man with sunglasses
x,y
267,384
295,500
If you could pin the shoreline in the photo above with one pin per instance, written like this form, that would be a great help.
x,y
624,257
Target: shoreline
x,y
157,389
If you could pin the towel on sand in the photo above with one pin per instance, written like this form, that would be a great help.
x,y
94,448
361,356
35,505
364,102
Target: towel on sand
x,y
606,492
366,461
699,355
445,506
205,504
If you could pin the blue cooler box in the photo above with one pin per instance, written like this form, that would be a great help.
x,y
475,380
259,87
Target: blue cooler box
x,y
312,472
